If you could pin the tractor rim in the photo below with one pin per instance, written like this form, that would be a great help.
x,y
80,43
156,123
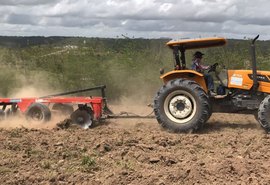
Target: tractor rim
x,y
180,106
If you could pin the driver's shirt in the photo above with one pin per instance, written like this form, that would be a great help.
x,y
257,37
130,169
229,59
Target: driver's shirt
x,y
197,66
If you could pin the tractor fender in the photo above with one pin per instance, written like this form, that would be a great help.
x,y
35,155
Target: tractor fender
x,y
187,74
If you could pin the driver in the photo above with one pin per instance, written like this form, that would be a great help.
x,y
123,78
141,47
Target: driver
x,y
197,66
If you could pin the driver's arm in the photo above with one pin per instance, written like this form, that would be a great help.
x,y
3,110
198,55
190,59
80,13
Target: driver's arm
x,y
205,67
200,66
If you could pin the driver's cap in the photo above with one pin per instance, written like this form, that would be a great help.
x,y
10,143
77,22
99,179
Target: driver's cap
x,y
198,54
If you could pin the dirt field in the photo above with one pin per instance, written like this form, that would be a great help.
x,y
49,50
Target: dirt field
x,y
231,149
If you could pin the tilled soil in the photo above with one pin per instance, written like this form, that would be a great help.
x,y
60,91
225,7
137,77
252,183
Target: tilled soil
x,y
230,149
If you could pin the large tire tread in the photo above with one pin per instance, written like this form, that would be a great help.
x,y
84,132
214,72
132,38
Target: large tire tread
x,y
201,96
263,114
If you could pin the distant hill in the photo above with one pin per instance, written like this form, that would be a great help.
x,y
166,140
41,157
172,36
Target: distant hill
x,y
15,42
129,67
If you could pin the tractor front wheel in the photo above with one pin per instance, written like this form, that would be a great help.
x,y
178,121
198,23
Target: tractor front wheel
x,y
264,114
181,106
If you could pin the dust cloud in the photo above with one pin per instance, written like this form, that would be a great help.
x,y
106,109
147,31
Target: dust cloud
x,y
137,96
20,121
29,91
132,106
37,88
136,92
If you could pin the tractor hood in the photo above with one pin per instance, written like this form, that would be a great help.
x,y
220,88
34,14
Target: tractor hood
x,y
197,43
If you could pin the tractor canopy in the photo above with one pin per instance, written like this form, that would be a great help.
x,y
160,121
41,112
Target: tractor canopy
x,y
197,43
183,45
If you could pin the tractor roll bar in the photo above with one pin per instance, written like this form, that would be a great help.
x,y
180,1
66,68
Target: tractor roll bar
x,y
182,64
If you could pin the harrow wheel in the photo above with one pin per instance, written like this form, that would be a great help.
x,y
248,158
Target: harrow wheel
x,y
181,106
82,117
38,112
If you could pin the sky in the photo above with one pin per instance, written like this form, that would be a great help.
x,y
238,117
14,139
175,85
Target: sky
x,y
136,18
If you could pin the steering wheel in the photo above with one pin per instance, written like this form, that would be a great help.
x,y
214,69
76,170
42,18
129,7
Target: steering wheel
x,y
213,67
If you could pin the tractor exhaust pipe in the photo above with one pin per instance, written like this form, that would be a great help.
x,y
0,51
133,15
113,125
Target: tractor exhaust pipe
x,y
254,64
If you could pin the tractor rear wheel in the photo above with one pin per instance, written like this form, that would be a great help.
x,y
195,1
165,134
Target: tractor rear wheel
x,y
38,112
264,114
181,106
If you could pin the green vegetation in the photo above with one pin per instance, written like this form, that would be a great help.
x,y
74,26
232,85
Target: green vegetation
x,y
88,163
127,165
46,164
129,67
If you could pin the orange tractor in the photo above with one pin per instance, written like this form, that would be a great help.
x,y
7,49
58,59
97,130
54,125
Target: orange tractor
x,y
184,104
